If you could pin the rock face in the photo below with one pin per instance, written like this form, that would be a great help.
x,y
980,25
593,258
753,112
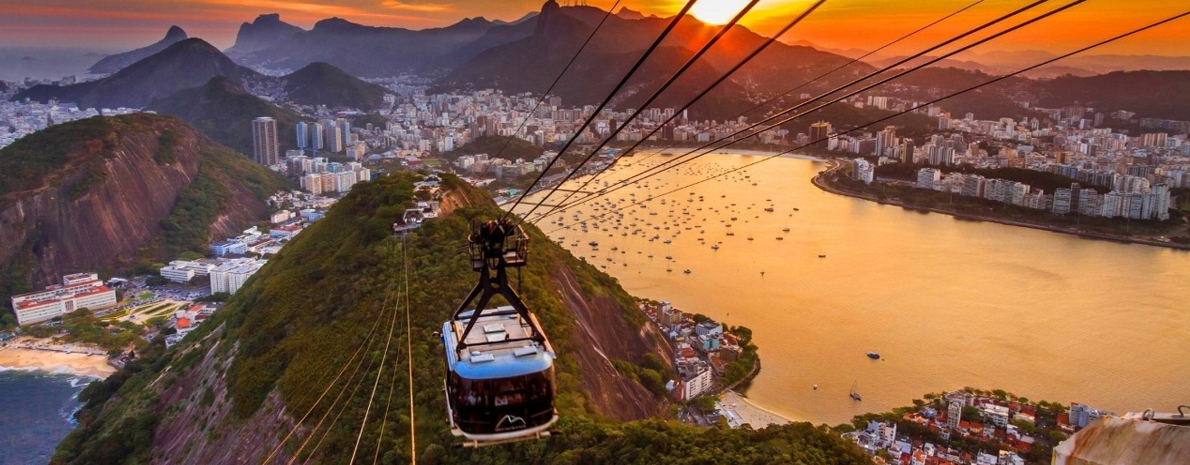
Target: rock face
x,y
103,208
1130,440
263,32
185,64
113,63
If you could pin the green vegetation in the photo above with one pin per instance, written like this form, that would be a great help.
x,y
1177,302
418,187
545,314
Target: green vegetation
x,y
741,368
187,228
651,373
298,320
124,433
188,225
224,111
705,403
517,148
93,176
33,161
322,84
166,153
84,328
216,297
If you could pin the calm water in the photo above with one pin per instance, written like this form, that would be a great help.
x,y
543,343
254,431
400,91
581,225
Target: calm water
x,y
947,303
18,63
36,411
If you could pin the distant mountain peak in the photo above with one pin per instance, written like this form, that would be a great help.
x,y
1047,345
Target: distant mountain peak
x,y
263,32
175,34
267,18
112,63
183,64
334,23
628,13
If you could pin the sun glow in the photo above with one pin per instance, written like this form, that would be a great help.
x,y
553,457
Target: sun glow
x,y
716,11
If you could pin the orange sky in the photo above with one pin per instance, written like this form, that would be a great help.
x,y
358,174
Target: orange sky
x,y
863,24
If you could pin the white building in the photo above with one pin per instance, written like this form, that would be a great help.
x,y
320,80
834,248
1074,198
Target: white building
x,y
927,178
230,275
80,290
697,383
182,271
997,414
863,171
1081,415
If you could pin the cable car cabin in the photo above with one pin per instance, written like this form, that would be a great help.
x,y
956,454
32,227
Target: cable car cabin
x,y
500,385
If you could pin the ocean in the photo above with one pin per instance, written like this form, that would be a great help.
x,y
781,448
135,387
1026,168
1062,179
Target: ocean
x,y
18,63
823,279
36,412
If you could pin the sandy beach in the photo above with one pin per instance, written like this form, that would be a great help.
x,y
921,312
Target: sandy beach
x,y
739,410
27,354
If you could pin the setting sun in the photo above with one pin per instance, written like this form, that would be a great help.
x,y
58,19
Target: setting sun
x,y
717,11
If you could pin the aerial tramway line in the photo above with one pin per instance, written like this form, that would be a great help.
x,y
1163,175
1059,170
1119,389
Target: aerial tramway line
x,y
500,378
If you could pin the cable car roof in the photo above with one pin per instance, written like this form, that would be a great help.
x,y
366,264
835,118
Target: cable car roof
x,y
486,356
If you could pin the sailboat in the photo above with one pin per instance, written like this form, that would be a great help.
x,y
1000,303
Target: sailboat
x,y
855,395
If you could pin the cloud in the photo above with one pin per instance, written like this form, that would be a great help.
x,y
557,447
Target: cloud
x,y
419,7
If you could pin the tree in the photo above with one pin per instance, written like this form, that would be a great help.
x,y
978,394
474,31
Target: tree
x,y
970,413
705,403
1027,426
189,255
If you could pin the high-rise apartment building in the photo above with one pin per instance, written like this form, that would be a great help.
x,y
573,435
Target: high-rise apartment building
x,y
303,135
819,132
317,141
265,149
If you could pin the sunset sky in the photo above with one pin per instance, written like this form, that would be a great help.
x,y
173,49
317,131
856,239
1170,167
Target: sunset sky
x,y
862,24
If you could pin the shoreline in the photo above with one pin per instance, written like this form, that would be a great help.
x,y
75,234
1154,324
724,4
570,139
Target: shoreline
x,y
818,182
751,414
26,357
745,152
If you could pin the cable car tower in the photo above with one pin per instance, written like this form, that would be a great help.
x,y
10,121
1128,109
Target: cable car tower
x,y
500,366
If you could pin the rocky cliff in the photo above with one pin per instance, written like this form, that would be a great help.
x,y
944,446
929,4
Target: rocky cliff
x,y
112,192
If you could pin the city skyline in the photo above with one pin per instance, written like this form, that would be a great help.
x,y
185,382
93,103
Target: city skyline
x,y
108,25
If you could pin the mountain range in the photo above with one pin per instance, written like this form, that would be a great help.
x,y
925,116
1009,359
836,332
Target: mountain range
x,y
158,79
224,111
188,63
372,51
527,54
113,63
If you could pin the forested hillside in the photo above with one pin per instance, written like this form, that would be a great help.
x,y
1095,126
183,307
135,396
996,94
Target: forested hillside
x,y
110,193
232,389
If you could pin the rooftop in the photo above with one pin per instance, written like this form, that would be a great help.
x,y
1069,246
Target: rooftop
x,y
491,357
